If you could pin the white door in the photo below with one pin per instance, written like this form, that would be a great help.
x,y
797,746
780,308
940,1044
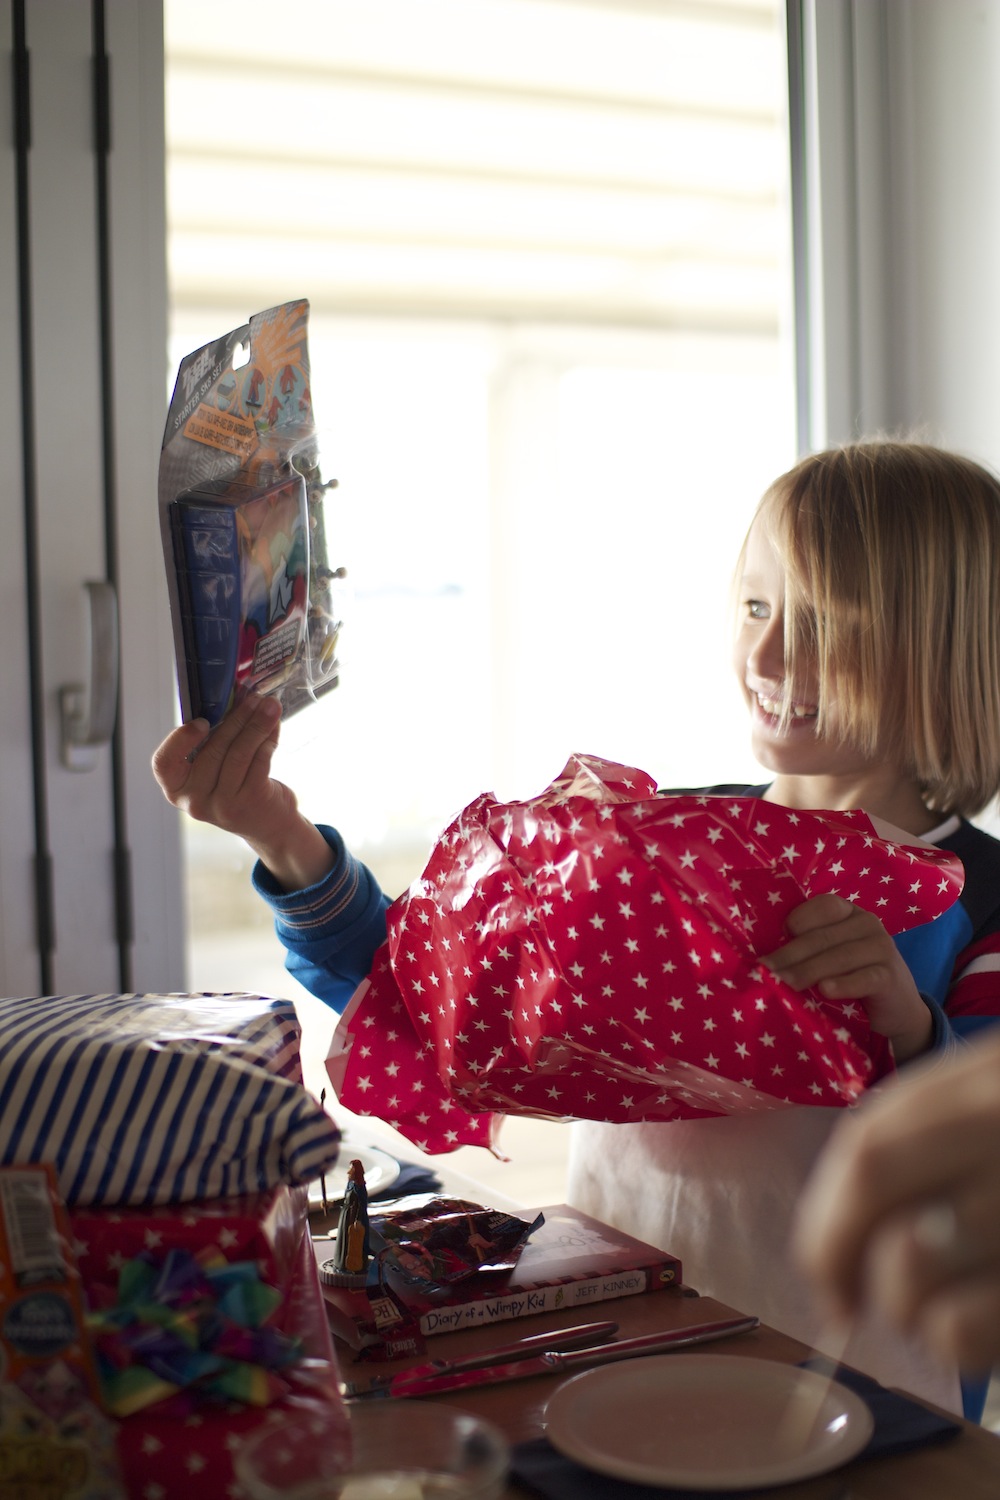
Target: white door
x,y
82,322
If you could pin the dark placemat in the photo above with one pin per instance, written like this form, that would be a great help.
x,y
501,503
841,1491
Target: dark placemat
x,y
900,1425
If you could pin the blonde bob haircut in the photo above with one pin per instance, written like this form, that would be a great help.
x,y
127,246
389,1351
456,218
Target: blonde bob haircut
x,y
892,598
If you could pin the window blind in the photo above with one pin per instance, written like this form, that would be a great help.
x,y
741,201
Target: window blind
x,y
587,161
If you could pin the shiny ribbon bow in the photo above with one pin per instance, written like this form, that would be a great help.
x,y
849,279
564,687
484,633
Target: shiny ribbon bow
x,y
194,1324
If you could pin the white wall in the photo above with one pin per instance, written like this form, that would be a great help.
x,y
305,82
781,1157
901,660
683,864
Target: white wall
x,y
903,153
945,98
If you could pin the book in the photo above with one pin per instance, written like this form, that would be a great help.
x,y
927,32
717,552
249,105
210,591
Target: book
x,y
570,1261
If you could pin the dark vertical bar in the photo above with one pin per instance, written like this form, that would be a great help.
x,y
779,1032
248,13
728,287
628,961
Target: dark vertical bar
x,y
44,913
124,921
800,235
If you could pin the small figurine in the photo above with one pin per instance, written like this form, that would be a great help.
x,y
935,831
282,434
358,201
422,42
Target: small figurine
x,y
352,1252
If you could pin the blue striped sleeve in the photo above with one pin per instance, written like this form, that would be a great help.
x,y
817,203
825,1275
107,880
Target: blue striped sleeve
x,y
950,1032
944,1040
331,930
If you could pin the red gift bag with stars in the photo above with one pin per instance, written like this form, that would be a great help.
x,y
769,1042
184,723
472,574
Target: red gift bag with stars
x,y
593,953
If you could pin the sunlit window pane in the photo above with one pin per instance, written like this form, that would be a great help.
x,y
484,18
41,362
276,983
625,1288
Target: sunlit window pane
x,y
545,245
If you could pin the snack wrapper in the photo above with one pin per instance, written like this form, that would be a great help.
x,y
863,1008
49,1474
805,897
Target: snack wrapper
x,y
435,1244
593,953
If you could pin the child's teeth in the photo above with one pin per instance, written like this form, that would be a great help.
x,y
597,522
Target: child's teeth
x,y
798,710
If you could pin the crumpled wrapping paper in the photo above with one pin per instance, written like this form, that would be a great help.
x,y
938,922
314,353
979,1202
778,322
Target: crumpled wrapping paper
x,y
592,953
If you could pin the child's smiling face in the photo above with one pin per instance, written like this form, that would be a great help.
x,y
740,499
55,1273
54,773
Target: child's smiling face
x,y
793,747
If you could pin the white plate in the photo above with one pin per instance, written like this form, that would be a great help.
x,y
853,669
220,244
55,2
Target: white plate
x,y
381,1171
703,1421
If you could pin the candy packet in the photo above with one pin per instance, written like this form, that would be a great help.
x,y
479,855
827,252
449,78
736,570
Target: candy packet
x,y
56,1443
253,599
433,1243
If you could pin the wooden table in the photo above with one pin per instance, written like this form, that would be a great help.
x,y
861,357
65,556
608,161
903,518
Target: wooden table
x,y
966,1467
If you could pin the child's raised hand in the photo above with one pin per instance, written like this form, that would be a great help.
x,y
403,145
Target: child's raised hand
x,y
224,777
845,952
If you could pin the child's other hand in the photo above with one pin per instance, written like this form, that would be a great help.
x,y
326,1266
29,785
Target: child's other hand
x,y
224,777
845,953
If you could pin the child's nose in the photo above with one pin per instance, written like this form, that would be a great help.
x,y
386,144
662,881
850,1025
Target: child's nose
x,y
767,656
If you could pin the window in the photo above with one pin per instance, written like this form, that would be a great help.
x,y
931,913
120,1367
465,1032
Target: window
x,y
546,247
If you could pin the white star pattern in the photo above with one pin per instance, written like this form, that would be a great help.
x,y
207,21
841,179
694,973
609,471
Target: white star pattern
x,y
598,832
167,1455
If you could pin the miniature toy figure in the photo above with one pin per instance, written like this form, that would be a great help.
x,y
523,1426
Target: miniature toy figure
x,y
352,1252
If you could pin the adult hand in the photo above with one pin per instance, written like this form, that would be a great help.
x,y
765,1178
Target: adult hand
x,y
223,776
903,1209
845,953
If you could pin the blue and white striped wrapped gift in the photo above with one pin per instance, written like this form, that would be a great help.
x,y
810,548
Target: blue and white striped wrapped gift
x,y
141,1099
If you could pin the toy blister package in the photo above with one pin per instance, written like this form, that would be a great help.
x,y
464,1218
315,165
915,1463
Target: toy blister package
x,y
253,599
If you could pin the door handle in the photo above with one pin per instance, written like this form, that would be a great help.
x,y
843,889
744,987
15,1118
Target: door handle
x,y
87,712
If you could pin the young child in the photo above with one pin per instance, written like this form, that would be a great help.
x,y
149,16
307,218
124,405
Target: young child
x,y
868,651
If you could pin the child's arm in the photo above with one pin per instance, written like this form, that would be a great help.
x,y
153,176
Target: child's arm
x,y
331,930
846,953
223,777
328,910
973,999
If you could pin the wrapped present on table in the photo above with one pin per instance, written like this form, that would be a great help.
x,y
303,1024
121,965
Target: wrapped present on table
x,y
192,1301
594,953
180,1135
159,1098
208,1325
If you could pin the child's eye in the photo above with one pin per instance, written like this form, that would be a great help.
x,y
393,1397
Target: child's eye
x,y
758,610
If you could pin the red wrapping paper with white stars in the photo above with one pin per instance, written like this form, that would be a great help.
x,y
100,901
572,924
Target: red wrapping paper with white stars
x,y
164,1452
593,953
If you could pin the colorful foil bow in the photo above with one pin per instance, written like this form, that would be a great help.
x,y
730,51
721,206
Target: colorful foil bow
x,y
194,1324
592,953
